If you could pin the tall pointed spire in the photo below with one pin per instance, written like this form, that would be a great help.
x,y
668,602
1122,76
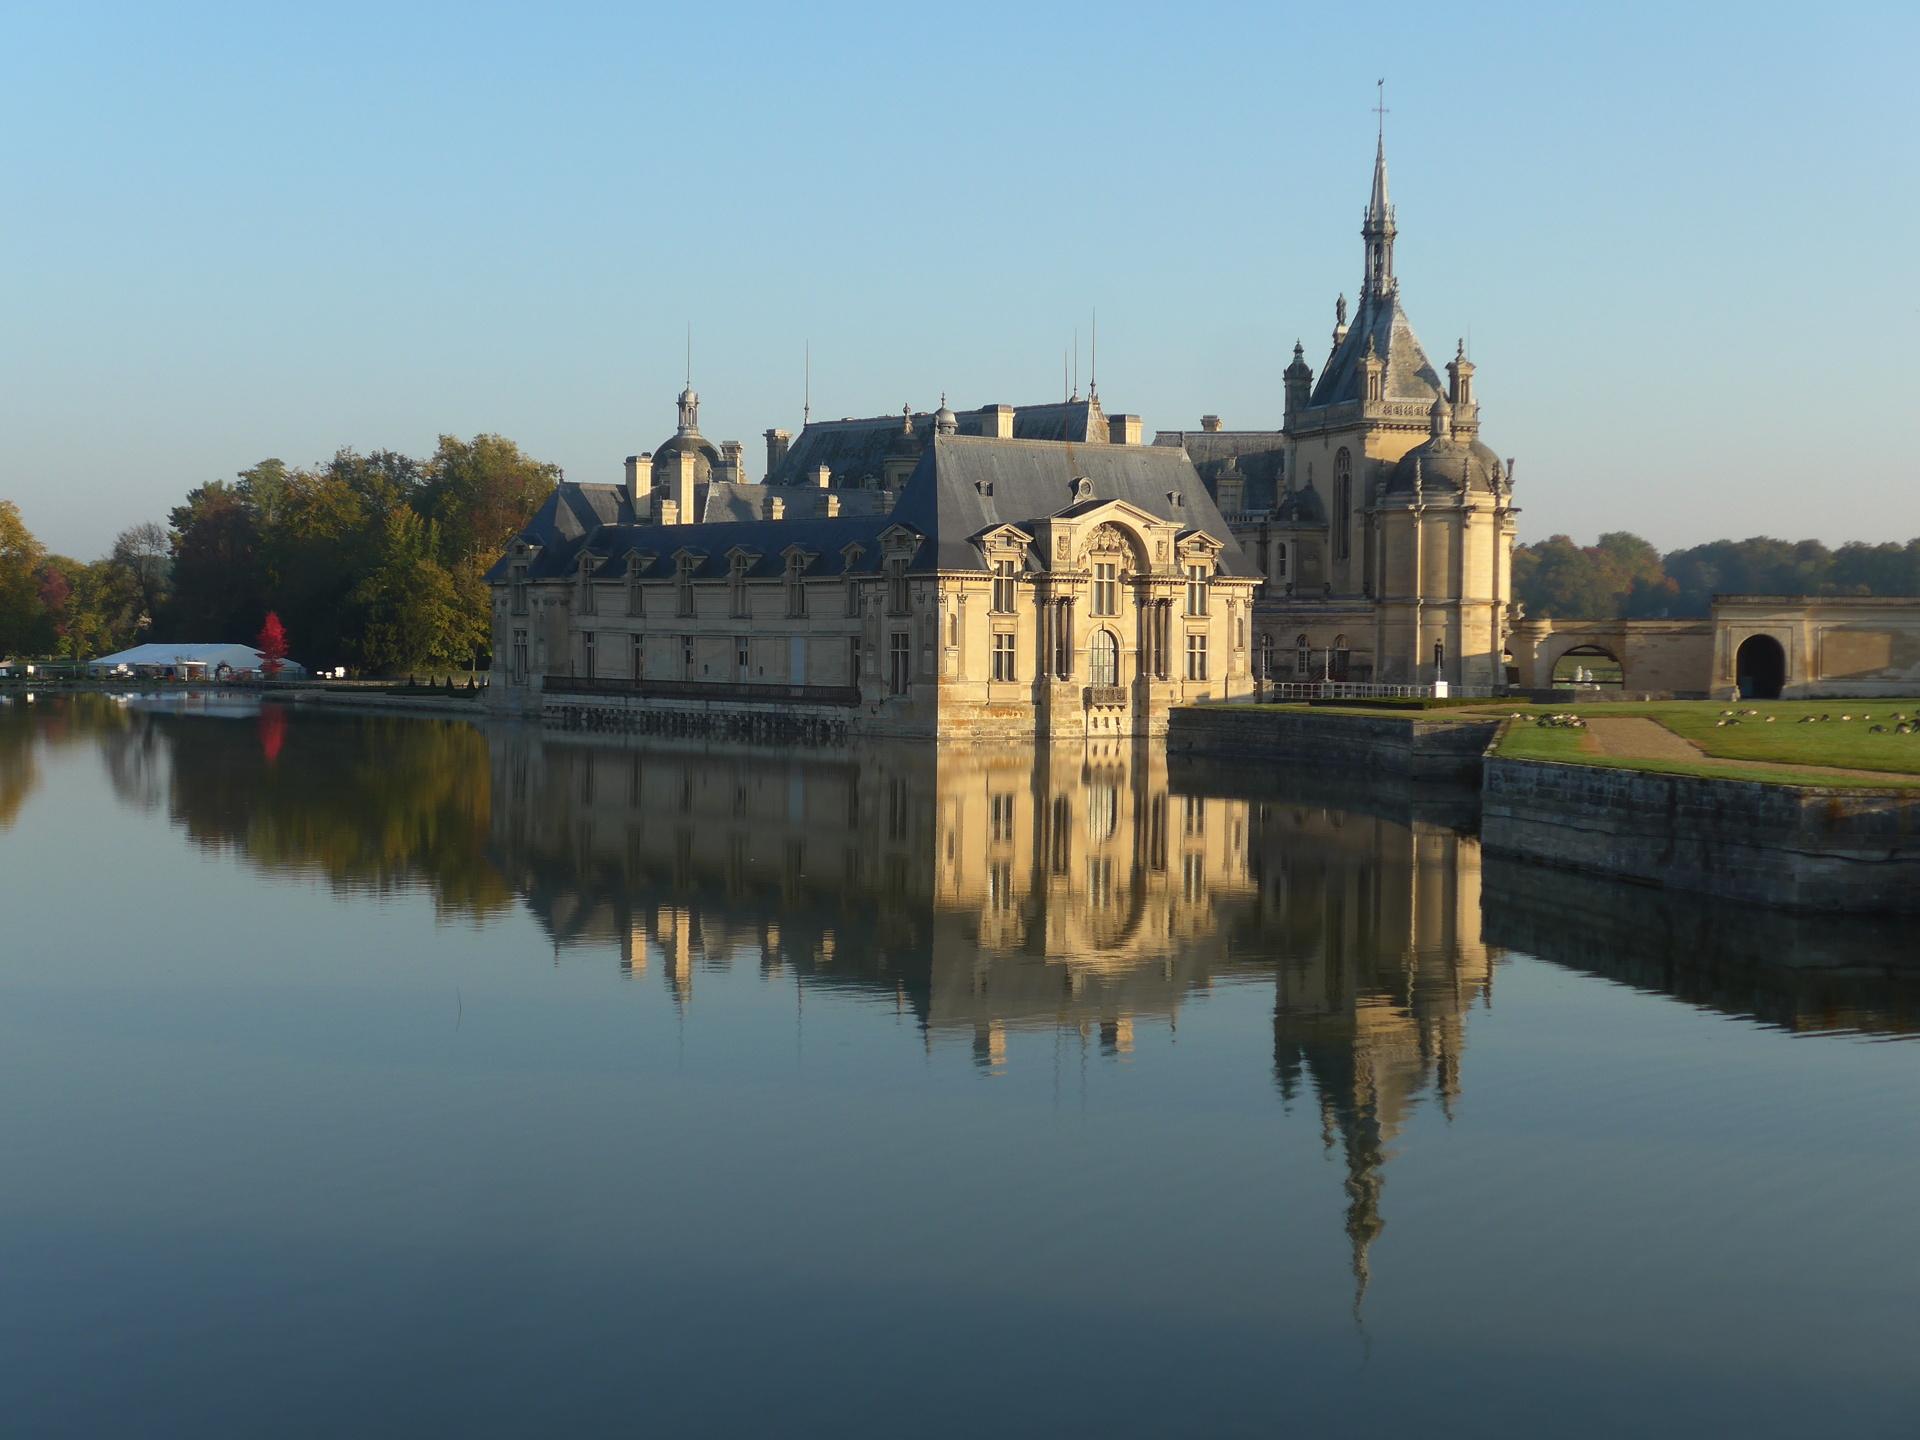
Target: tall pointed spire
x,y
1378,230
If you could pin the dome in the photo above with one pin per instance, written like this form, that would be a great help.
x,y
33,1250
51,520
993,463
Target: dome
x,y
1446,466
945,422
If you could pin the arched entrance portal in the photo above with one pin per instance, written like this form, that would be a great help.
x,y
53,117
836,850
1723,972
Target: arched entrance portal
x,y
1760,665
1593,666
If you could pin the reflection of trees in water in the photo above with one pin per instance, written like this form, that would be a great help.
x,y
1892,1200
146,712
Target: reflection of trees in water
x,y
19,769
52,722
370,803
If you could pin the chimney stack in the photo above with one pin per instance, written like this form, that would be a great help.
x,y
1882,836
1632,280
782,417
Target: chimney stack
x,y
996,422
683,485
1210,423
777,443
639,481
1125,430
832,507
776,508
668,510
823,475
733,462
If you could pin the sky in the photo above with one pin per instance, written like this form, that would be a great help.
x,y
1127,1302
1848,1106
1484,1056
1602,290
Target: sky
x,y
1681,238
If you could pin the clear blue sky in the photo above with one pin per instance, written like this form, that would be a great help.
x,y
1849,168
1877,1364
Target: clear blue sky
x,y
1682,236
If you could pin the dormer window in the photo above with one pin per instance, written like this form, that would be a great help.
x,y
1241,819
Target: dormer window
x,y
737,587
586,584
636,593
1004,586
1196,590
796,585
683,585
897,585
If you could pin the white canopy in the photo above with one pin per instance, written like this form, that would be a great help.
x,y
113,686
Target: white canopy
x,y
208,660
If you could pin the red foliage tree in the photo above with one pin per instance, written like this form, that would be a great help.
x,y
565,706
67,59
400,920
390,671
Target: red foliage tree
x,y
272,645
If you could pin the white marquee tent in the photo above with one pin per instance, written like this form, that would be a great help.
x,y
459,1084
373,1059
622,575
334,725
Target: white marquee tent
x,y
188,662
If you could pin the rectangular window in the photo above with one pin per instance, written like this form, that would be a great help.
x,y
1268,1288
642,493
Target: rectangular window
x,y
796,594
686,657
586,587
1196,589
1003,658
639,656
897,587
1196,655
899,662
853,598
1000,819
636,597
1003,587
1106,588
853,661
519,589
586,652
743,658
518,672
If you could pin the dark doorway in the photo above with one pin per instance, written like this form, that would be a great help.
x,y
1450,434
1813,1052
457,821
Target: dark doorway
x,y
1589,666
1761,667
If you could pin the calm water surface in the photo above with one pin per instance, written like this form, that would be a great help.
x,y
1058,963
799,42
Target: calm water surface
x,y
388,1076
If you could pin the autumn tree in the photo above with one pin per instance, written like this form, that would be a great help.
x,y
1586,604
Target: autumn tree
x,y
272,645
21,560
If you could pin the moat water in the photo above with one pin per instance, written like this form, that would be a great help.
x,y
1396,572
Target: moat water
x,y
371,1075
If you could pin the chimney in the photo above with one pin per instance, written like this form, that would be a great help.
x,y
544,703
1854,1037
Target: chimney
x,y
776,508
1210,423
823,475
1125,429
777,443
639,480
832,507
668,511
683,485
733,461
996,422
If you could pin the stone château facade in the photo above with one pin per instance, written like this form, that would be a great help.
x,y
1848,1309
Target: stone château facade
x,y
1381,523
1003,587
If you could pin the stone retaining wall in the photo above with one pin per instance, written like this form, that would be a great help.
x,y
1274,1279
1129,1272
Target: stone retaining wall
x,y
1424,747
1854,851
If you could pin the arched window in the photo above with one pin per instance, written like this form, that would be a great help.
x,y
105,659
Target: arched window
x,y
1266,657
1280,561
1343,503
1104,659
1302,656
1341,657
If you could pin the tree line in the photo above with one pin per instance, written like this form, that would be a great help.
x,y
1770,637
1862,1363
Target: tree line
x,y
371,561
1622,576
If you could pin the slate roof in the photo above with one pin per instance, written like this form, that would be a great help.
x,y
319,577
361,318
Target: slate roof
x,y
1410,375
855,449
962,487
1260,456
967,485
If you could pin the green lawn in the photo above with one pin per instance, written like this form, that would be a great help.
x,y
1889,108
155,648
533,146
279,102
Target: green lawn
x,y
1847,744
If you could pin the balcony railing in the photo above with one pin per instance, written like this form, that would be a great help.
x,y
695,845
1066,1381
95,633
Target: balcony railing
x,y
1106,695
729,692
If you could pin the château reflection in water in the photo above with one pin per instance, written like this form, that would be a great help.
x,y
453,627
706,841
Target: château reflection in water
x,y
1093,893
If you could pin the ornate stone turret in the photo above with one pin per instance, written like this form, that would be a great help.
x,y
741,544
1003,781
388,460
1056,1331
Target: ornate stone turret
x,y
1299,378
1466,412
